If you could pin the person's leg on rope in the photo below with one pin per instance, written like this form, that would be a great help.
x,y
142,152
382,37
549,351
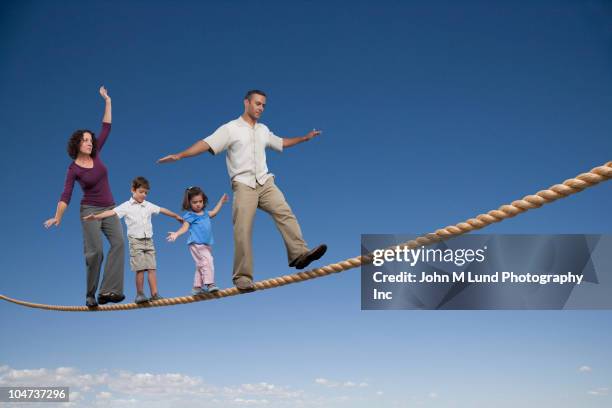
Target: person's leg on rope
x,y
111,288
93,251
243,213
272,201
140,296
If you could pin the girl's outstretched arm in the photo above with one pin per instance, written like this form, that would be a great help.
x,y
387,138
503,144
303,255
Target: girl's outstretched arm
x,y
224,199
100,216
171,214
172,236
108,117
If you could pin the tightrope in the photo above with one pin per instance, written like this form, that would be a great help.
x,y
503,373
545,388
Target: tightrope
x,y
553,193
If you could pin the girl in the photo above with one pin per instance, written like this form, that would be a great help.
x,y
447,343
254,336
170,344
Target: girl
x,y
197,222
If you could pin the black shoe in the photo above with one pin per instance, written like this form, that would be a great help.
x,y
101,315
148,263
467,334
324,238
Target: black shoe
x,y
104,298
91,301
304,260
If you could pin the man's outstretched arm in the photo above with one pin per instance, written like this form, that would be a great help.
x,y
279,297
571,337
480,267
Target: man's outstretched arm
x,y
292,141
197,148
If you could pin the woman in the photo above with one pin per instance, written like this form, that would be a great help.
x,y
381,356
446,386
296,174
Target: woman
x,y
87,168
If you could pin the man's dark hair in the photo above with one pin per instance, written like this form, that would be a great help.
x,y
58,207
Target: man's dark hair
x,y
189,194
139,182
74,143
254,92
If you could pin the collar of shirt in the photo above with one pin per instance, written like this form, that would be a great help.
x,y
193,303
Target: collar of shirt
x,y
132,201
242,122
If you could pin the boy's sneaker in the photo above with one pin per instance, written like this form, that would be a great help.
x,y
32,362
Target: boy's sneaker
x,y
140,298
212,288
199,291
155,297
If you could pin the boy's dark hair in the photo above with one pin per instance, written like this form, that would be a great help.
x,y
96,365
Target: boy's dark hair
x,y
74,143
254,92
189,194
140,182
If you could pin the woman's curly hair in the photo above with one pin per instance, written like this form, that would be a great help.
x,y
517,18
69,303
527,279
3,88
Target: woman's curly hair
x,y
74,143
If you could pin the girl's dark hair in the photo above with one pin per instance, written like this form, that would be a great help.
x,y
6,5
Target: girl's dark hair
x,y
189,194
74,143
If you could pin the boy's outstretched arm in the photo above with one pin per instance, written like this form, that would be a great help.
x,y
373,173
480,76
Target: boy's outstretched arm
x,y
172,236
171,214
197,148
224,199
100,216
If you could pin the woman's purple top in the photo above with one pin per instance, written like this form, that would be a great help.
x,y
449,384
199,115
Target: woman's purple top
x,y
94,181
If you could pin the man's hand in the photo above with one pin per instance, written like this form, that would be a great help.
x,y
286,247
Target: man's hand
x,y
311,134
170,158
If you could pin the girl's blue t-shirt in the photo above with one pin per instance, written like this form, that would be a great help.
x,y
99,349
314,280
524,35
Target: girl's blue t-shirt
x,y
200,228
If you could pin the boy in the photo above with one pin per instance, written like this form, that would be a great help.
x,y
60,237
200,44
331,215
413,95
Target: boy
x,y
137,213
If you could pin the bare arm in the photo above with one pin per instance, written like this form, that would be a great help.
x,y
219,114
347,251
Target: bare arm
x,y
292,141
172,236
108,117
59,213
224,199
99,216
171,214
197,148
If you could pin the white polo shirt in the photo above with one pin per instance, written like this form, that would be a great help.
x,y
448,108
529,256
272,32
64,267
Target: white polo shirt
x,y
137,217
246,150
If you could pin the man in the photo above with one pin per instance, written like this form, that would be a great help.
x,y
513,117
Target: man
x,y
245,141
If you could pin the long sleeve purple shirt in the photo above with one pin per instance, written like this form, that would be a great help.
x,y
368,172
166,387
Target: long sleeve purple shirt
x,y
94,181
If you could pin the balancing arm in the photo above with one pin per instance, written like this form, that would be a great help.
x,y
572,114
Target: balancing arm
x,y
171,214
197,148
172,236
224,199
292,141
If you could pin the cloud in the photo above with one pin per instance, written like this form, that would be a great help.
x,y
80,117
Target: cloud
x,y
337,384
600,392
584,369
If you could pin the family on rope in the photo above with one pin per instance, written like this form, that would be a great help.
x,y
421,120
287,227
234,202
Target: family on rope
x,y
245,140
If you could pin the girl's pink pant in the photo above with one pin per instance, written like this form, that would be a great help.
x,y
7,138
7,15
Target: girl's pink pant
x,y
205,268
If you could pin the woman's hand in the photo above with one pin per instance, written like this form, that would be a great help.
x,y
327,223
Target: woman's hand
x,y
172,236
104,94
51,222
224,198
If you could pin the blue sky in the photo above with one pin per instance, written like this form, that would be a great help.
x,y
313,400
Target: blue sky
x,y
432,113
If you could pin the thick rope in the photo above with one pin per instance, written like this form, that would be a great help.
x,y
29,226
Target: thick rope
x,y
567,188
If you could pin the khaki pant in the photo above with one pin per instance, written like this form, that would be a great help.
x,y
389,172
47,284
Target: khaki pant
x,y
270,199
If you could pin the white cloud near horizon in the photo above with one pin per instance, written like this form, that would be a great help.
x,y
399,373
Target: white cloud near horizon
x,y
165,390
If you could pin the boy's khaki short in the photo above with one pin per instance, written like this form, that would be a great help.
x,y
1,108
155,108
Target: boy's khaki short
x,y
142,254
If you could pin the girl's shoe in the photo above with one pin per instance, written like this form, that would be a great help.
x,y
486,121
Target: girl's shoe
x,y
140,298
156,297
212,288
200,291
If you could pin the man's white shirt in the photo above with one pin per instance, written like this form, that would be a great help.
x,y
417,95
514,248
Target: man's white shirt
x,y
246,150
